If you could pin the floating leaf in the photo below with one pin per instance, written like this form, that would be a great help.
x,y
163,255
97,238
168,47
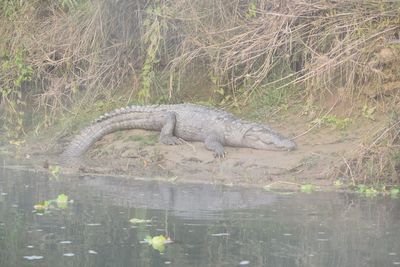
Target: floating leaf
x,y
148,239
60,202
41,207
45,204
307,188
62,198
158,242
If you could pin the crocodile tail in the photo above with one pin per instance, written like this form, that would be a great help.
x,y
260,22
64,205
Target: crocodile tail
x,y
127,110
86,138
123,121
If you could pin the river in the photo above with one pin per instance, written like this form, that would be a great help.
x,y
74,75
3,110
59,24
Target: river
x,y
110,221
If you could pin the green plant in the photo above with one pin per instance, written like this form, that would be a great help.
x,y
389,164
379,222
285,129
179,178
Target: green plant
x,y
333,121
378,160
395,192
275,97
71,4
152,40
367,191
224,98
61,202
338,183
148,140
368,112
307,188
158,242
270,100
55,171
15,72
10,8
252,10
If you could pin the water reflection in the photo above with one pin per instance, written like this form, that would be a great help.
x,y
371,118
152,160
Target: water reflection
x,y
210,226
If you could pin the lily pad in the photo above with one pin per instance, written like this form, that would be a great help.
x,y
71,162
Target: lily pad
x,y
42,206
62,198
158,242
60,202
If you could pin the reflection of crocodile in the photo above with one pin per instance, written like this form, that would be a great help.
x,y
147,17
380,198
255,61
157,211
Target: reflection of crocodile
x,y
186,121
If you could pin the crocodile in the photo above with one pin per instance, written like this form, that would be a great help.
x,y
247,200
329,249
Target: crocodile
x,y
178,122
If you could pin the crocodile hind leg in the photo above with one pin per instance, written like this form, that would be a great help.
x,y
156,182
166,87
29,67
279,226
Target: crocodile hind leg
x,y
167,131
214,142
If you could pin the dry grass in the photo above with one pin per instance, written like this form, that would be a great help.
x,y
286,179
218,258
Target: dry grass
x,y
378,160
318,44
86,51
78,53
90,49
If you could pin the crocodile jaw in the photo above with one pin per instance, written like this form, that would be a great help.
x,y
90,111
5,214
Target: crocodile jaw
x,y
266,139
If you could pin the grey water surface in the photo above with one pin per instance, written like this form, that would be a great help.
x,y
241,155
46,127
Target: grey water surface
x,y
209,225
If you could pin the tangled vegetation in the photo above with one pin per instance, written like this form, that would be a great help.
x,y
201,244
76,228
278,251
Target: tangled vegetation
x,y
378,160
62,58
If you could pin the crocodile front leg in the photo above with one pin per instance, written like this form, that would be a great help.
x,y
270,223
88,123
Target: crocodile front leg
x,y
167,131
214,142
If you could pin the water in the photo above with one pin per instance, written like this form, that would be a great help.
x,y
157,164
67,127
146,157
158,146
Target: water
x,y
209,225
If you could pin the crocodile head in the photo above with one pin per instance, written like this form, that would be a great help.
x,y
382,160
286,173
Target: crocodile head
x,y
260,137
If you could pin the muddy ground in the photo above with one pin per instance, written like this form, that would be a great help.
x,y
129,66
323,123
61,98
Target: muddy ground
x,y
138,154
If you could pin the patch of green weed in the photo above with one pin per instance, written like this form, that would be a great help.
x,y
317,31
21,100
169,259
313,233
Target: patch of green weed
x,y
368,112
269,100
367,191
55,171
307,188
14,73
338,183
373,191
395,192
145,140
332,121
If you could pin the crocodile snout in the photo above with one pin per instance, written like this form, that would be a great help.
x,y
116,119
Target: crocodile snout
x,y
288,144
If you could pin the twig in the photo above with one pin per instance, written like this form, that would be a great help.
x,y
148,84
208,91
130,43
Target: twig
x,y
350,171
